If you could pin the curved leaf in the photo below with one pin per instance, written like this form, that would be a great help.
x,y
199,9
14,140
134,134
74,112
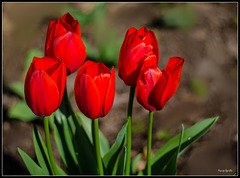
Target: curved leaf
x,y
86,123
63,137
191,134
41,152
135,162
110,159
32,167
170,167
21,111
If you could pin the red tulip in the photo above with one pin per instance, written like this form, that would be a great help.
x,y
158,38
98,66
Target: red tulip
x,y
94,89
45,84
139,47
155,87
64,41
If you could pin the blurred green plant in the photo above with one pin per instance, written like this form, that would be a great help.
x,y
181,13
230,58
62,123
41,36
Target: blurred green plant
x,y
183,17
107,43
20,109
198,87
163,135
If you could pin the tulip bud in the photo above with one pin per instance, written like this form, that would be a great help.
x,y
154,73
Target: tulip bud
x,y
137,47
154,87
44,85
64,41
94,89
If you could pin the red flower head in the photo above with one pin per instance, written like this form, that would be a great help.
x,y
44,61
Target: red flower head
x,y
94,89
44,85
139,46
64,41
155,87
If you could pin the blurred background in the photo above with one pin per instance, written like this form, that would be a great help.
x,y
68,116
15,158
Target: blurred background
x,y
204,34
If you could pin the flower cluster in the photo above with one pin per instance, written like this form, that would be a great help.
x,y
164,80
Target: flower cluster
x,y
65,52
138,67
82,149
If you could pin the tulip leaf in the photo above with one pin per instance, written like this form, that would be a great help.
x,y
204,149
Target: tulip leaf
x,y
41,152
84,151
64,141
111,159
21,111
122,161
166,151
17,88
170,167
86,123
135,163
32,167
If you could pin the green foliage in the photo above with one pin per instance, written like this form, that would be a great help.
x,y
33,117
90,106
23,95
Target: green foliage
x,y
75,142
63,137
21,111
45,167
164,154
135,163
183,17
17,88
32,167
41,152
170,168
86,124
163,135
111,159
198,87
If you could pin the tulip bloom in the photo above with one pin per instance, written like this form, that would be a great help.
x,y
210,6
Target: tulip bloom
x,y
94,89
139,47
155,87
64,41
44,85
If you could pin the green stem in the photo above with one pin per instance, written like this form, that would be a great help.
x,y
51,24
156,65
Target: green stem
x,y
129,130
149,142
95,134
49,148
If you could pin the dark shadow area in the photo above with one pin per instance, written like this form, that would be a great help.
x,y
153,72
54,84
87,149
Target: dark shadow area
x,y
12,167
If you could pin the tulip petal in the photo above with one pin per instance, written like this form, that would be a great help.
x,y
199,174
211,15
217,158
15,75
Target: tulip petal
x,y
71,24
87,96
59,75
155,96
71,49
174,71
101,81
167,84
109,98
128,35
54,29
146,81
49,37
95,69
155,45
42,94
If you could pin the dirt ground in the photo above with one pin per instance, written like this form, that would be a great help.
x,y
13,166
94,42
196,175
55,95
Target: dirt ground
x,y
210,52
